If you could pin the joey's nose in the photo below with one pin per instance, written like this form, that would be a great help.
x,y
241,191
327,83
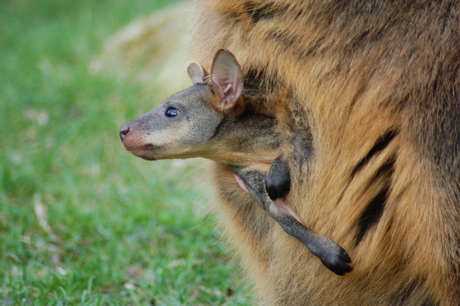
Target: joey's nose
x,y
124,131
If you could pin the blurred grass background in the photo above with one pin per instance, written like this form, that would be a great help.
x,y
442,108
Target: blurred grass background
x,y
82,221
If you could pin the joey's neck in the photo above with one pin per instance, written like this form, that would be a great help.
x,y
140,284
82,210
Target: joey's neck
x,y
248,138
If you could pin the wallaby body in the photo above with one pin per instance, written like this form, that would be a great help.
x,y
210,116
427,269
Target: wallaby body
x,y
210,120
367,100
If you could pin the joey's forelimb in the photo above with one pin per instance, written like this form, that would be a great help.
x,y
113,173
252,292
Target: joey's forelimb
x,y
331,254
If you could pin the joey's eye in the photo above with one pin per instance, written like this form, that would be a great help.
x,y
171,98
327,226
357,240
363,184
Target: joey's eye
x,y
171,112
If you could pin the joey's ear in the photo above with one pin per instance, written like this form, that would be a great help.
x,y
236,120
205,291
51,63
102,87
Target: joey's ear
x,y
196,73
226,78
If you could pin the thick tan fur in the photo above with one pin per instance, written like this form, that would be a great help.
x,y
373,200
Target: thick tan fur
x,y
375,86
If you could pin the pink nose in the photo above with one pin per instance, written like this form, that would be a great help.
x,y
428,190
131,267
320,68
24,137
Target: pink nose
x,y
124,131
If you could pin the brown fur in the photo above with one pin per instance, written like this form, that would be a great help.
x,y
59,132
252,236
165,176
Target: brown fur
x,y
373,87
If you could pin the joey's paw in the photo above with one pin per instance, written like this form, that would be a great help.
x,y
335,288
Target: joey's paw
x,y
277,187
336,259
278,180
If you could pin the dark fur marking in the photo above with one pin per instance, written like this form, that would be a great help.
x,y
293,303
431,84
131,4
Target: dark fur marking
x,y
402,297
316,48
377,148
406,295
447,17
253,81
372,214
374,210
257,13
429,302
258,84
386,171
281,38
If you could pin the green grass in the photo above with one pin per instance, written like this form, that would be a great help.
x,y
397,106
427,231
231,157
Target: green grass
x,y
82,221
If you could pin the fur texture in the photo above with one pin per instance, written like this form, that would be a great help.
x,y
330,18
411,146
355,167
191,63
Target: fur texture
x,y
367,96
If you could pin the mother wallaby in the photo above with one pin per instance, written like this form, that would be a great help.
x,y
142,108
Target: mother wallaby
x,y
367,100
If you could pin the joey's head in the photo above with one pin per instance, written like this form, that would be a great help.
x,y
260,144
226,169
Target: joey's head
x,y
184,125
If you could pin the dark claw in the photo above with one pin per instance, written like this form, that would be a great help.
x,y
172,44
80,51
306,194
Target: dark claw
x,y
278,180
336,259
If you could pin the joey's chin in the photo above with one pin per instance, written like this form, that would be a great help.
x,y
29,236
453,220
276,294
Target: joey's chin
x,y
150,158
144,152
143,155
